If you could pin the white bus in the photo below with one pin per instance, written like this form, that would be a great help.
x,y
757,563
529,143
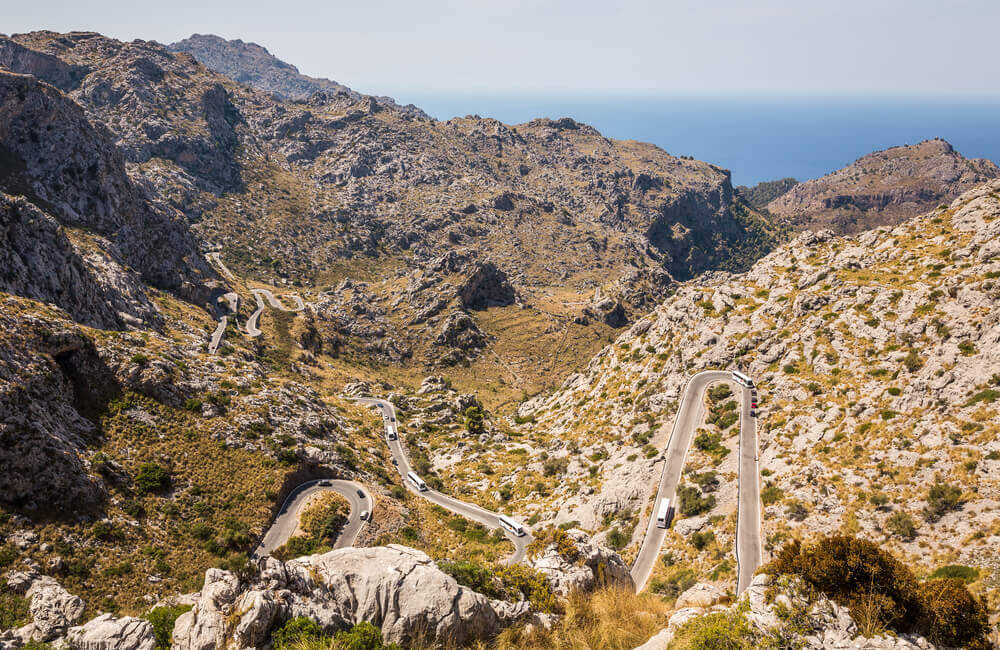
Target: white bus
x,y
663,514
742,379
390,433
509,524
417,481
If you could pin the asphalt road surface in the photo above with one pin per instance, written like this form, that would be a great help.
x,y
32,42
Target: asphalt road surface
x,y
288,517
260,295
748,547
468,510
690,415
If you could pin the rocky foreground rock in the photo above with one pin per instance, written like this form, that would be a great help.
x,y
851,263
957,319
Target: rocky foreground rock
x,y
397,588
821,624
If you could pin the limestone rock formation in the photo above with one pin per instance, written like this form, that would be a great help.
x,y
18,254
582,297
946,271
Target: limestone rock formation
x,y
107,632
53,609
397,588
591,565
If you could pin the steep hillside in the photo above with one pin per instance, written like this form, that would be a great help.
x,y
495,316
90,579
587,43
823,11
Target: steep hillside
x,y
883,188
877,362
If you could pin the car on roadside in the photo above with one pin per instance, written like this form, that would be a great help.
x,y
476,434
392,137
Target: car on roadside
x,y
361,494
365,515
325,483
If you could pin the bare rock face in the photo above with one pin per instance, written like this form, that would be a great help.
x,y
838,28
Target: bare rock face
x,y
53,609
70,170
41,432
486,286
397,588
591,566
106,632
40,262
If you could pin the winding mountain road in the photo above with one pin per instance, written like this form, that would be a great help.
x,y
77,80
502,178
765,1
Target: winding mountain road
x,y
690,414
288,517
468,510
253,330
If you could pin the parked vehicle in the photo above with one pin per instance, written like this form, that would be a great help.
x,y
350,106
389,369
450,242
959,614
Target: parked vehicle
x,y
365,515
361,494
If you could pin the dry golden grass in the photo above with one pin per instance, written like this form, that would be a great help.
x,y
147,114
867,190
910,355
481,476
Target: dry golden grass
x,y
608,619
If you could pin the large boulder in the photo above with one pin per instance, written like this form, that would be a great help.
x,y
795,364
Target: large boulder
x,y
109,633
586,566
53,609
399,589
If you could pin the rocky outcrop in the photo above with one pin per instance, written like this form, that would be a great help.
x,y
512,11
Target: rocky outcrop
x,y
107,632
53,609
397,588
883,188
40,262
588,565
71,171
486,286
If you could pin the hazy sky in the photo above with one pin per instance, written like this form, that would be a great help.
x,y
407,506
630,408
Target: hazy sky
x,y
668,46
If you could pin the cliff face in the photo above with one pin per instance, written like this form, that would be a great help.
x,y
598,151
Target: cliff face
x,y
883,188
75,188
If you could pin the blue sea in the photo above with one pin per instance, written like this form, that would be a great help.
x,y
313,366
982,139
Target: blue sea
x,y
757,138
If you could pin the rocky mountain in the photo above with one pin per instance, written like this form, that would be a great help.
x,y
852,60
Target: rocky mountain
x,y
883,188
99,227
587,231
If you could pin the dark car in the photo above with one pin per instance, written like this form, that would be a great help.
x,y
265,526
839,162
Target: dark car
x,y
325,483
361,494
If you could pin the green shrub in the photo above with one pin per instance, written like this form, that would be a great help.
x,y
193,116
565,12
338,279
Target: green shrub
x,y
719,631
193,405
617,539
152,478
8,555
967,348
692,502
912,361
953,617
957,572
162,619
988,396
474,576
771,494
700,540
883,593
941,498
13,610
297,633
362,636
900,523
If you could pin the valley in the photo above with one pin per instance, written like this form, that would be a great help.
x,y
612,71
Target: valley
x,y
281,356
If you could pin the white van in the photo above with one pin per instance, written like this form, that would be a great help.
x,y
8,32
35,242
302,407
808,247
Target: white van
x,y
663,514
417,481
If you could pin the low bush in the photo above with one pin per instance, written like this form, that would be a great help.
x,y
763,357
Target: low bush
x,y
901,524
941,498
152,478
162,619
957,572
882,593
692,502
